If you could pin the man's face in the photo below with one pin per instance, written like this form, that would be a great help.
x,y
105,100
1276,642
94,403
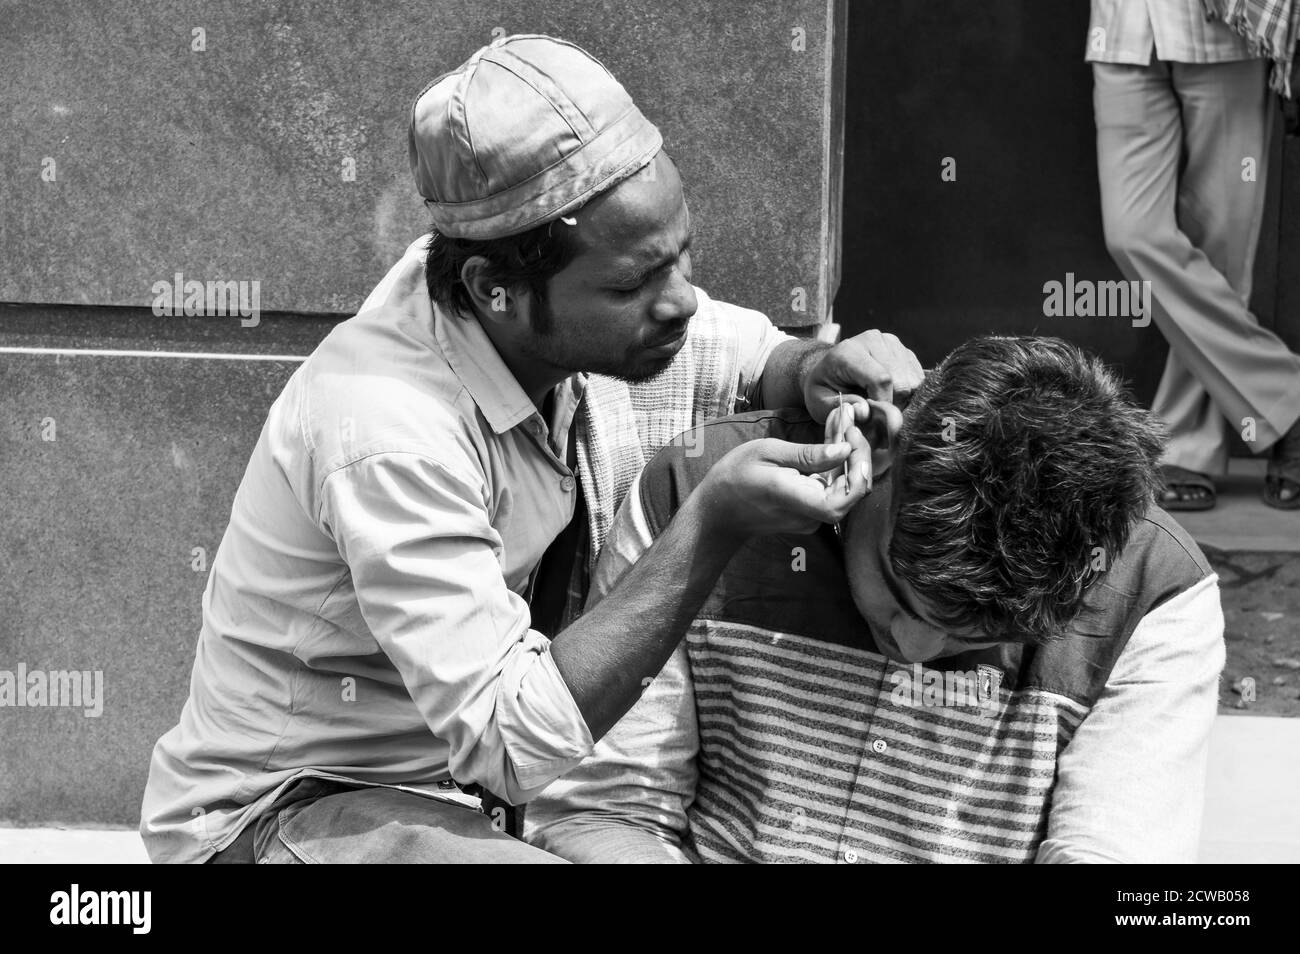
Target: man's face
x,y
622,306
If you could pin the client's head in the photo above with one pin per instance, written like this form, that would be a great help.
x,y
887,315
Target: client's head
x,y
1020,470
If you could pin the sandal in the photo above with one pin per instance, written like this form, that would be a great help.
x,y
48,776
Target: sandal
x,y
1284,472
1179,484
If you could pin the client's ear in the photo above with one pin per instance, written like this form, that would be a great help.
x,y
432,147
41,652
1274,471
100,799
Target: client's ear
x,y
883,424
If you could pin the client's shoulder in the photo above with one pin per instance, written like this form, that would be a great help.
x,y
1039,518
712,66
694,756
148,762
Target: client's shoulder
x,y
695,450
681,464
1160,557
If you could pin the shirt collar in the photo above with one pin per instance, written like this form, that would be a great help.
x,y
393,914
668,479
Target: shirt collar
x,y
466,346
475,361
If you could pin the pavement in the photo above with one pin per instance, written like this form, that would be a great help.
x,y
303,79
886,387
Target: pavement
x,y
83,846
1252,797
1241,522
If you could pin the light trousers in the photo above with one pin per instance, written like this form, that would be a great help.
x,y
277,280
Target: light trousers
x,y
320,821
1182,159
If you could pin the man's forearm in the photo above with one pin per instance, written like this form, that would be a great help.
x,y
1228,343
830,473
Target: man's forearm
x,y
607,654
781,384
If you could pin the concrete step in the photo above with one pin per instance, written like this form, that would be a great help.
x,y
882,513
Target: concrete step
x,y
84,846
1241,521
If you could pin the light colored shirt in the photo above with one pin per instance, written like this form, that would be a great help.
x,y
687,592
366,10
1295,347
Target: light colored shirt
x,y
366,615
1128,786
1128,31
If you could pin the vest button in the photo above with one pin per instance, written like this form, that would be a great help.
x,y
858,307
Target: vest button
x,y
567,484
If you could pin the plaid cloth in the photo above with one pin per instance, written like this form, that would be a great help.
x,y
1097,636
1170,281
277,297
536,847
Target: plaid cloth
x,y
621,426
1271,27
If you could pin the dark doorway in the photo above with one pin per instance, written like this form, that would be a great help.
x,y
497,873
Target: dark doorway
x,y
1001,88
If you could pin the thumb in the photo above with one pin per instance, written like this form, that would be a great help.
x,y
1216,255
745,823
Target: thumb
x,y
808,458
880,421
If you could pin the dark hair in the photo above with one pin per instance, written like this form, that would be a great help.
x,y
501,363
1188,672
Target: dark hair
x,y
1018,457
528,258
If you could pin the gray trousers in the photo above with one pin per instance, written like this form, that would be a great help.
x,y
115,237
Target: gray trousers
x,y
320,821
1175,147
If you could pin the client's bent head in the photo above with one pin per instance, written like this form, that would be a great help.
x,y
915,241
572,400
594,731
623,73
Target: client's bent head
x,y
1017,459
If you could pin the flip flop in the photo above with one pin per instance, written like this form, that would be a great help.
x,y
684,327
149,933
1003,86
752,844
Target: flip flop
x,y
1174,477
1284,470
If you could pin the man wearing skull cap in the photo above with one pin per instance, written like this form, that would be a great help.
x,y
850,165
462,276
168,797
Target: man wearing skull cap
x,y
393,623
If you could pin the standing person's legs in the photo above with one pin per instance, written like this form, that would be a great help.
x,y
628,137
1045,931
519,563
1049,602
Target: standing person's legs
x,y
1228,123
1141,115
1227,114
1139,151
1198,433
1227,119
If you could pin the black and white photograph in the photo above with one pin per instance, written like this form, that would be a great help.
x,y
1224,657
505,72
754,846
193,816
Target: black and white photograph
x,y
650,432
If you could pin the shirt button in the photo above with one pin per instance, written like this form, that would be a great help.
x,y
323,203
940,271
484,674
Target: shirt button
x,y
879,746
851,856
566,484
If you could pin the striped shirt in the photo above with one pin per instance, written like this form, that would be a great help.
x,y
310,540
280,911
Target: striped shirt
x,y
785,776
1127,31
779,732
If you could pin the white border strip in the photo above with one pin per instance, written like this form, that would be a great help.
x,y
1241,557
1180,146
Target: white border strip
x,y
203,355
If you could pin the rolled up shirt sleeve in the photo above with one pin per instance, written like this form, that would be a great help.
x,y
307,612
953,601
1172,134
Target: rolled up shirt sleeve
x,y
758,339
627,803
423,557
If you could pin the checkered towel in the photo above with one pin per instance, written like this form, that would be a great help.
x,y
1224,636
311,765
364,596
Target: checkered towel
x,y
1271,27
621,426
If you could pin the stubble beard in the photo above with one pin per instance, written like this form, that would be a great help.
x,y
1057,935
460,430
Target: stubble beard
x,y
630,369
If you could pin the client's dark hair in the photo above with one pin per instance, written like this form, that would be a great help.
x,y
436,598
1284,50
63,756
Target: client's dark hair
x,y
528,258
1018,456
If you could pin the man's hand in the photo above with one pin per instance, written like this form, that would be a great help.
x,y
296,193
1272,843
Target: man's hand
x,y
609,654
768,486
871,428
870,365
